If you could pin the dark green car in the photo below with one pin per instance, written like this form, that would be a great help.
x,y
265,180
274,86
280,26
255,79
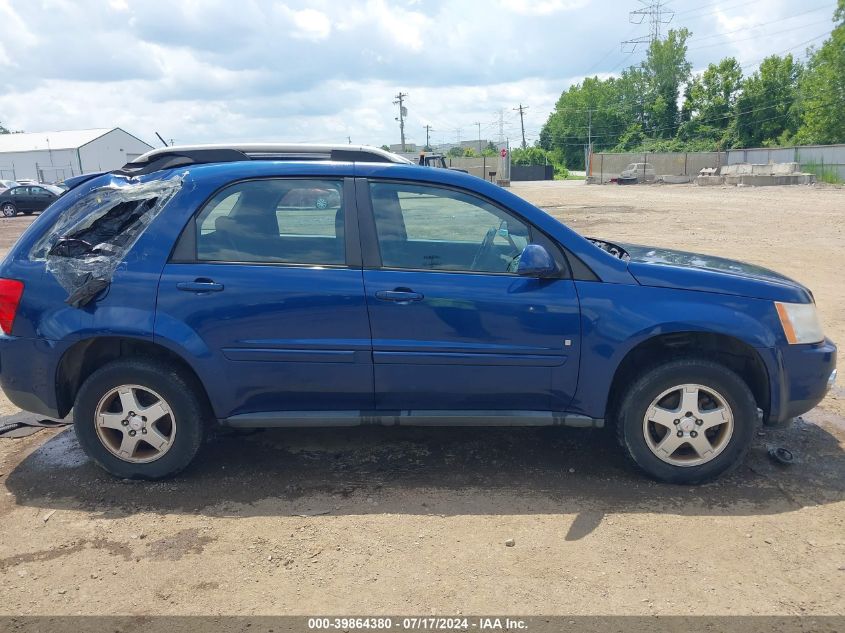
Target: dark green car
x,y
27,199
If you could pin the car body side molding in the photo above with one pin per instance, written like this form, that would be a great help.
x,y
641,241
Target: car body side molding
x,y
294,419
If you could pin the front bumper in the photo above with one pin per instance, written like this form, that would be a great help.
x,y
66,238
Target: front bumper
x,y
805,373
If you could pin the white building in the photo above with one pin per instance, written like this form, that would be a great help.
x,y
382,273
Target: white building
x,y
54,156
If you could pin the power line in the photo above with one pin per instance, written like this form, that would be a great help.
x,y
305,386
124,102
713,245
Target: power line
x,y
501,125
754,37
705,121
697,12
786,50
759,24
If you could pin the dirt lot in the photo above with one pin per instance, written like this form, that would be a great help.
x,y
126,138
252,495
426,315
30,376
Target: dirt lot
x,y
415,521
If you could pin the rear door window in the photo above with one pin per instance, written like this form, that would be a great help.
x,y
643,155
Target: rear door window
x,y
291,221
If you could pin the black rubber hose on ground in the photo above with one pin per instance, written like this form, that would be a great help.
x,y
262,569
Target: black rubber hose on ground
x,y
5,428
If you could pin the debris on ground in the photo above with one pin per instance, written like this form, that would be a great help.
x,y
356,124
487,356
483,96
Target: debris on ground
x,y
781,455
25,424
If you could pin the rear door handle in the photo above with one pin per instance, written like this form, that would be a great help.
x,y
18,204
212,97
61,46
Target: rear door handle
x,y
399,295
200,285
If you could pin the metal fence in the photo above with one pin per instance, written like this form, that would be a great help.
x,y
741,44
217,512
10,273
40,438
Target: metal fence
x,y
827,162
53,173
532,172
606,167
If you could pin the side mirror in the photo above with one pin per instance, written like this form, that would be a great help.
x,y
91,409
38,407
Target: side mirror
x,y
535,261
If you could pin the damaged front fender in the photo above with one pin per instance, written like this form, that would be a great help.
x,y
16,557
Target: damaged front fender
x,y
93,236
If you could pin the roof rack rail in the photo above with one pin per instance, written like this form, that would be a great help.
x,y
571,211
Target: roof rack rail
x,y
184,155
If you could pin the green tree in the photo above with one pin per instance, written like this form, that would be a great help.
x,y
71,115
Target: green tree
x,y
455,152
3,130
530,156
710,103
823,88
386,148
490,150
766,112
666,69
470,153
596,109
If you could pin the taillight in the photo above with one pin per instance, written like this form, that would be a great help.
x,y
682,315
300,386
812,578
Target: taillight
x,y
10,296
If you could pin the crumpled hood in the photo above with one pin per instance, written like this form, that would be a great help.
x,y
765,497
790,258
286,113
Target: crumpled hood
x,y
668,268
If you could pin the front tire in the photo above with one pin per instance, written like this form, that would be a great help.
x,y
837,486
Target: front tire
x,y
139,419
9,210
687,421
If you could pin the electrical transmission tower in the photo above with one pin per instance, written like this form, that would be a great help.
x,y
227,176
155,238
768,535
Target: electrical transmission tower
x,y
403,112
657,14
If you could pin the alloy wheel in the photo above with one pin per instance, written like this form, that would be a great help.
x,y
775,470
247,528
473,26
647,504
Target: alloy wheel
x,y
135,424
688,425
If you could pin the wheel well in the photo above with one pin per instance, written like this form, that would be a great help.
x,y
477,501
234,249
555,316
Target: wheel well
x,y
725,350
85,357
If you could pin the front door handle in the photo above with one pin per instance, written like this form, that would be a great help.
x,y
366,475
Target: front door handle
x,y
200,285
400,295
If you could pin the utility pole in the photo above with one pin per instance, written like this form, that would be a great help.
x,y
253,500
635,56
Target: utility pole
x,y
657,14
458,135
402,112
501,125
349,139
478,125
522,109
428,130
588,151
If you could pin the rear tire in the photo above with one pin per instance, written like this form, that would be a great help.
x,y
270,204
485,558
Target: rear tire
x,y
687,421
9,210
139,419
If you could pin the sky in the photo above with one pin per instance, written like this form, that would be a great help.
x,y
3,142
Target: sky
x,y
204,71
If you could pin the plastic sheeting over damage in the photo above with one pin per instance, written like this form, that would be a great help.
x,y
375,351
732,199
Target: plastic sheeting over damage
x,y
93,235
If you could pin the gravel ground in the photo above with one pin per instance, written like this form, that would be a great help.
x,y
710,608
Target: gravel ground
x,y
393,521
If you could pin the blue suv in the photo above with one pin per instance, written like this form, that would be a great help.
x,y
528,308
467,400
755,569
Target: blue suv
x,y
281,286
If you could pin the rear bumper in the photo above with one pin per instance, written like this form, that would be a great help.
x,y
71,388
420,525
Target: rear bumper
x,y
28,374
803,377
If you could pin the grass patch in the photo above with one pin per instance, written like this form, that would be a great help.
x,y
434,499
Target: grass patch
x,y
823,173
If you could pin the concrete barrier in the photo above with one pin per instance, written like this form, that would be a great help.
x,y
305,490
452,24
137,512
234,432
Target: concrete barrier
x,y
710,181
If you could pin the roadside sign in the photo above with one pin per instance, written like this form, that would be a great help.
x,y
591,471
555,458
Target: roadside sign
x,y
504,152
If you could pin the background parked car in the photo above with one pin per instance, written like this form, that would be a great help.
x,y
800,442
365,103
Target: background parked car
x,y
637,172
313,197
27,199
7,184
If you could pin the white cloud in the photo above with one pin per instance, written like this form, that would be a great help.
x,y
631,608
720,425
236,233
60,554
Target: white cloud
x,y
319,70
542,7
311,24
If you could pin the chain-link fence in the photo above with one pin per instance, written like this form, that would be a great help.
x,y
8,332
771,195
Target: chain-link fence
x,y
53,173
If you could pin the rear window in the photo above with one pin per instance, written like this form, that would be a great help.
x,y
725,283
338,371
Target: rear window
x,y
94,234
289,221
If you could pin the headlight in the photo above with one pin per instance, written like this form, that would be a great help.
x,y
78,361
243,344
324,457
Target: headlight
x,y
800,322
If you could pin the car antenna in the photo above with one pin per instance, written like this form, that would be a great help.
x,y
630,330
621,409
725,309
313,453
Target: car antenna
x,y
162,140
